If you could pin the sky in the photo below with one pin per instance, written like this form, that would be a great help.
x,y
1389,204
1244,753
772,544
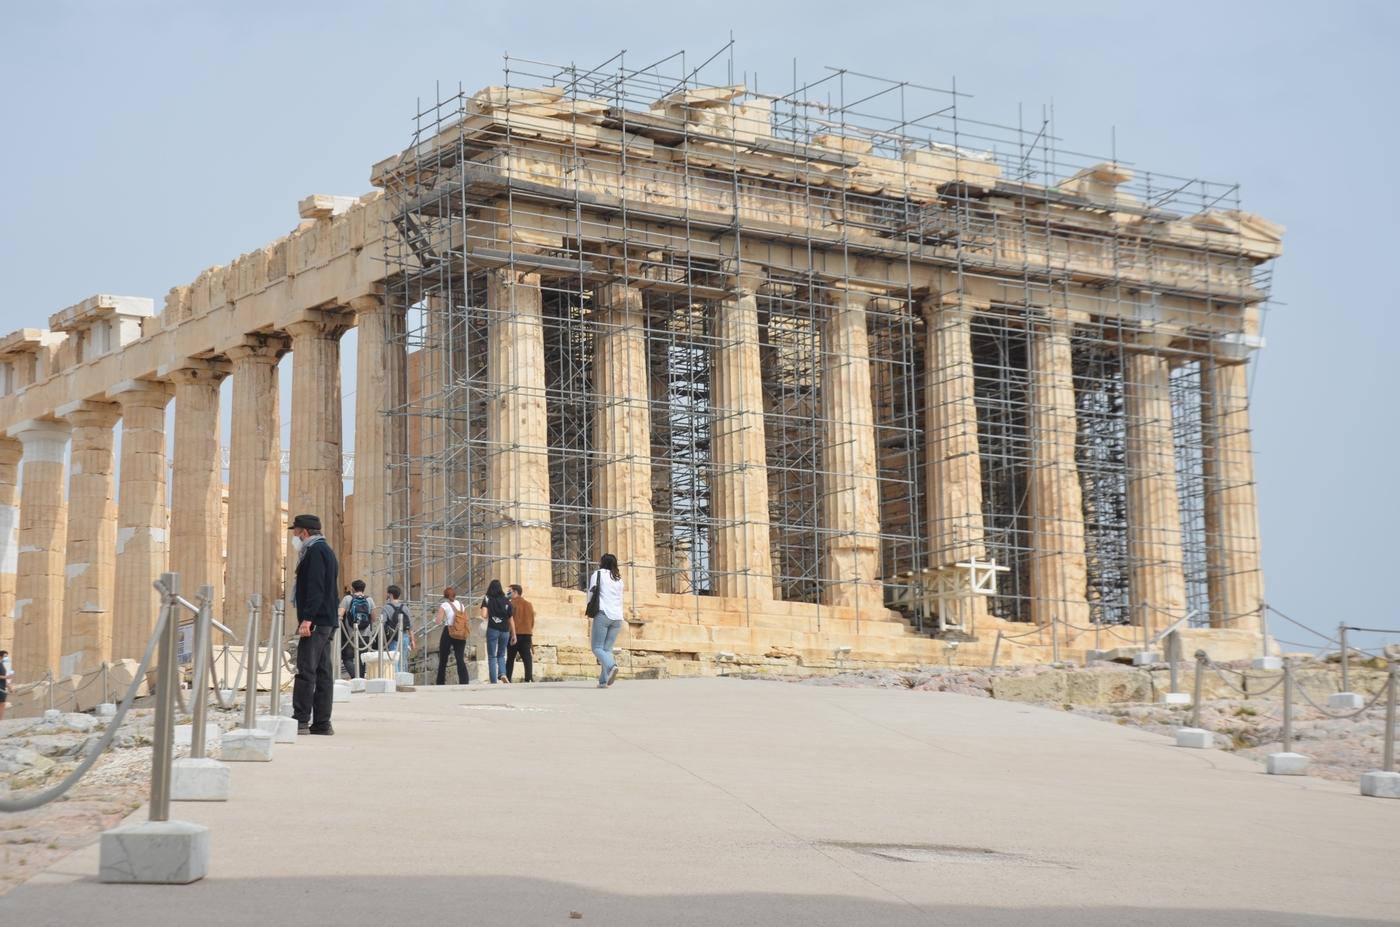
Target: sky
x,y
144,141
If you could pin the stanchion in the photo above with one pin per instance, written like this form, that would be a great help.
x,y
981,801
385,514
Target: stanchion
x,y
342,689
106,708
1287,763
996,649
1385,782
384,681
282,728
198,777
1174,696
159,850
1192,736
1345,700
248,743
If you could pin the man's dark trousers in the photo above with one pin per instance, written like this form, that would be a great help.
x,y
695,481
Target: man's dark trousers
x,y
314,689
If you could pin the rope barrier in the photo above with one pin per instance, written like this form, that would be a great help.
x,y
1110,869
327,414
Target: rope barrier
x,y
1375,700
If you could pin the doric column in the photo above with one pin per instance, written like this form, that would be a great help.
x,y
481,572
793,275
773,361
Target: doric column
x,y
142,518
316,484
256,536
42,528
743,554
197,483
1234,577
851,490
956,530
1157,579
1059,577
90,586
517,430
381,438
11,452
622,436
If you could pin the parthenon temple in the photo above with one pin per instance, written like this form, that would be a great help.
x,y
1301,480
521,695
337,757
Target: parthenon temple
x,y
838,387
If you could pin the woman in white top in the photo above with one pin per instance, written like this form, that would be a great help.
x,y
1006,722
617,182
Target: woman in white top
x,y
448,611
608,622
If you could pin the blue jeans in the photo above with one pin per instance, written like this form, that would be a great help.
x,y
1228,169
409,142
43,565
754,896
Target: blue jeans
x,y
604,636
497,643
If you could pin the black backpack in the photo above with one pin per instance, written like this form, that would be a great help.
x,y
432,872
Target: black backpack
x,y
358,613
392,623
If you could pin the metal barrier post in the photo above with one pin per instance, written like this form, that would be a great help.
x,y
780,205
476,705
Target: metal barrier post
x,y
106,689
1388,761
275,641
1054,641
250,660
336,660
1287,706
164,735
48,679
996,648
1174,660
199,681
1198,687
1342,638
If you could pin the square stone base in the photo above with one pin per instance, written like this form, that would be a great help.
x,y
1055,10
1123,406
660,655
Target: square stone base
x,y
357,685
52,716
155,852
1378,784
106,710
1176,698
1345,701
1267,663
342,693
198,780
403,679
282,728
1146,658
1195,738
379,686
242,745
1286,764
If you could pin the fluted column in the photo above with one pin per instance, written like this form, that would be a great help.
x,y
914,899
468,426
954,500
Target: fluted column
x,y
622,436
1059,576
956,531
11,451
197,484
90,574
256,535
851,490
142,518
1234,576
1157,578
316,484
517,429
380,438
38,610
743,555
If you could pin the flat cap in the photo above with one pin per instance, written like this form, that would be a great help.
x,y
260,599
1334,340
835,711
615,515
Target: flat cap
x,y
309,522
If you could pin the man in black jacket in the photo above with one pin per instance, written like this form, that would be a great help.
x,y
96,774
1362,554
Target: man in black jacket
x,y
316,598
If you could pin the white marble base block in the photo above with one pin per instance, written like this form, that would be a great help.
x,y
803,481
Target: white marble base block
x,y
52,716
1345,701
1146,658
379,686
106,710
1286,764
1195,738
282,728
1378,784
403,679
1267,663
342,693
226,696
357,685
198,780
243,745
155,852
1176,698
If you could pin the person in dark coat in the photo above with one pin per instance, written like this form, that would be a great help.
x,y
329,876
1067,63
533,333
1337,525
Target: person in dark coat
x,y
317,602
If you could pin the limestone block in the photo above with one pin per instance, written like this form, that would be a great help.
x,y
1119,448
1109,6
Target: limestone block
x,y
379,665
243,745
106,710
1108,687
342,694
1379,784
1286,764
198,780
379,686
52,716
1345,701
1146,658
1267,663
1051,687
357,685
282,728
120,673
1175,698
1195,738
155,852
403,679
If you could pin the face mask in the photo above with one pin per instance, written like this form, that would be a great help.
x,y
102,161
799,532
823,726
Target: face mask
x,y
297,543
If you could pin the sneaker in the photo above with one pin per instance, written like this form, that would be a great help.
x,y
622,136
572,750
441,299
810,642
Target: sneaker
x,y
612,675
303,729
505,679
327,730
602,685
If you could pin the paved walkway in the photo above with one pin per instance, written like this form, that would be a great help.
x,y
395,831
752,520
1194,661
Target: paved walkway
x,y
716,801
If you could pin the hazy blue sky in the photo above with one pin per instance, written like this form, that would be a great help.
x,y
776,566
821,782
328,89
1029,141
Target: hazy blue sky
x,y
144,141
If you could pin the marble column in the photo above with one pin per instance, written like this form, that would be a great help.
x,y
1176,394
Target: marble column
x,y
90,573
517,429
851,488
1059,575
11,452
956,531
743,553
316,484
197,483
257,535
142,517
381,439
622,436
1234,577
1157,579
42,537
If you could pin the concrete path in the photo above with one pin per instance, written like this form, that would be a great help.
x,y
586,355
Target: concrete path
x,y
716,801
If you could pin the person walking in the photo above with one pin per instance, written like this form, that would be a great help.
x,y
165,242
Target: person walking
x,y
7,673
313,595
605,610
398,629
500,630
455,630
523,614
356,618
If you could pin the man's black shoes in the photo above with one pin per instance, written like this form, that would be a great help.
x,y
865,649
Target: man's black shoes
x,y
327,730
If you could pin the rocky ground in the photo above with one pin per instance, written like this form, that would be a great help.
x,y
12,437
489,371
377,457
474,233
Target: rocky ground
x,y
35,754
1340,748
